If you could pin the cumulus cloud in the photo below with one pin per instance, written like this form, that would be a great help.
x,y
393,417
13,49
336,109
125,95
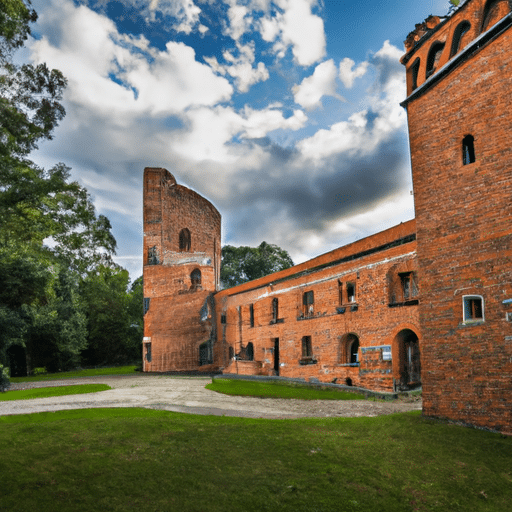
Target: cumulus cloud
x,y
321,83
297,27
348,75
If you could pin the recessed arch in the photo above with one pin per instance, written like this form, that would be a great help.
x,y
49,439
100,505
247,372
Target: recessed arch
x,y
409,362
468,150
460,31
349,349
195,279
494,11
185,240
434,56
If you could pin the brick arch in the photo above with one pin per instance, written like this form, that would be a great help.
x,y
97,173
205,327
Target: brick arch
x,y
434,57
347,348
494,11
459,39
406,350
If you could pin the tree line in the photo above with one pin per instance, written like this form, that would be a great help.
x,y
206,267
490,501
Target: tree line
x,y
63,300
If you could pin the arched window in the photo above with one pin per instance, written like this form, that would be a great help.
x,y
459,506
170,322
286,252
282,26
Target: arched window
x,y
458,34
493,12
250,351
468,149
195,278
185,240
415,69
349,350
434,55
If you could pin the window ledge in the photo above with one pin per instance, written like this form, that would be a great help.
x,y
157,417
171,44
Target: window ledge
x,y
278,321
471,323
412,302
307,360
349,364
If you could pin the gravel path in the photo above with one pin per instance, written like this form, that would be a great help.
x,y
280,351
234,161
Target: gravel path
x,y
181,394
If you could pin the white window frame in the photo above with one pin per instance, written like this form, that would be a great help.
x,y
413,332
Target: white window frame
x,y
472,320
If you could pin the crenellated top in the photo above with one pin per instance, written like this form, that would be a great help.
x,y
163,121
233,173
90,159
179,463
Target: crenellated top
x,y
437,40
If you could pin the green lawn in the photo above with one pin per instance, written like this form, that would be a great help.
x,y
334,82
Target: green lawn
x,y
146,460
25,394
279,390
93,372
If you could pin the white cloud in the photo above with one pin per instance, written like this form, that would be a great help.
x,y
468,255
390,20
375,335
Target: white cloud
x,y
348,75
296,27
321,83
240,67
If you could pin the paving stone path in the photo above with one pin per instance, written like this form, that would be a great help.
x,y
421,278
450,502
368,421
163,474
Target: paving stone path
x,y
188,395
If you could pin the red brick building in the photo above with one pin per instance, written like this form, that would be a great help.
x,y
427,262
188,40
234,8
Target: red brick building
x,y
439,287
459,86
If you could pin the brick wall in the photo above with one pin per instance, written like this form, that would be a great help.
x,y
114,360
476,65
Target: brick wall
x,y
178,319
464,219
332,320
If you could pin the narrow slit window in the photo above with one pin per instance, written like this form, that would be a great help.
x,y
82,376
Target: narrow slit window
x,y
468,150
185,240
308,300
415,69
458,34
275,309
307,350
351,292
251,315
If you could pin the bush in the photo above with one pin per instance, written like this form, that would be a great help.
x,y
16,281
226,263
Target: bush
x,y
4,378
40,371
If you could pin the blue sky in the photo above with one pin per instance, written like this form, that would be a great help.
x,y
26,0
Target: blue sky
x,y
285,114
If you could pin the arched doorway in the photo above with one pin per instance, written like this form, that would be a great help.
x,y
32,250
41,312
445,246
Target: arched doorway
x,y
409,359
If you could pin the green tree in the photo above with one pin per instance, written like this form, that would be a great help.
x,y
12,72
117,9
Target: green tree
x,y
50,235
242,264
114,316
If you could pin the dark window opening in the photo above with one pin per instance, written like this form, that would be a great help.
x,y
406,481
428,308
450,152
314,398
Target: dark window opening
x,y
308,299
275,309
415,69
351,292
152,256
409,287
147,355
231,352
146,305
307,349
354,352
223,318
458,34
473,308
185,242
340,292
468,150
251,315
493,12
348,381
434,56
250,351
195,279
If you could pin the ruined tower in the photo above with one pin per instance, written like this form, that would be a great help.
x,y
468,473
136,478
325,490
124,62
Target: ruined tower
x,y
182,254
459,93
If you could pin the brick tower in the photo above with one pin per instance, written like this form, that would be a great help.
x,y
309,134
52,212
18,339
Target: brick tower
x,y
459,87
181,271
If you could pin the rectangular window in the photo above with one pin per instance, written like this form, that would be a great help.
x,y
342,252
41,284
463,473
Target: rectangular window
x,y
146,305
473,308
223,318
340,292
307,350
351,292
251,315
147,355
409,288
308,299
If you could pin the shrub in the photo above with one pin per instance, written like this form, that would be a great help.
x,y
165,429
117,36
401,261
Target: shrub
x,y
4,378
40,371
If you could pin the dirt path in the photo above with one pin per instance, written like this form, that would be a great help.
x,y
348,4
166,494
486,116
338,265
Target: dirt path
x,y
189,395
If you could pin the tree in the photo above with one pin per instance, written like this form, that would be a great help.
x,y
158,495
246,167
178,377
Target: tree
x,y
50,235
242,264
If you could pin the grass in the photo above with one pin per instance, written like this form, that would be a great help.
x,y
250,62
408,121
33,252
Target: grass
x,y
93,372
279,390
26,394
146,460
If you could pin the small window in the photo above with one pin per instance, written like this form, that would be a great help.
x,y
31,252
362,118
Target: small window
x,y
308,299
354,352
152,256
251,315
351,292
415,69
468,150
340,292
147,355
434,57
231,352
473,308
195,279
250,351
458,34
185,242
146,305
223,318
409,288
275,309
307,350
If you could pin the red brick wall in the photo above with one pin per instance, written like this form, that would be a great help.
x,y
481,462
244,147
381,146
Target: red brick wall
x,y
373,321
173,323
464,226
